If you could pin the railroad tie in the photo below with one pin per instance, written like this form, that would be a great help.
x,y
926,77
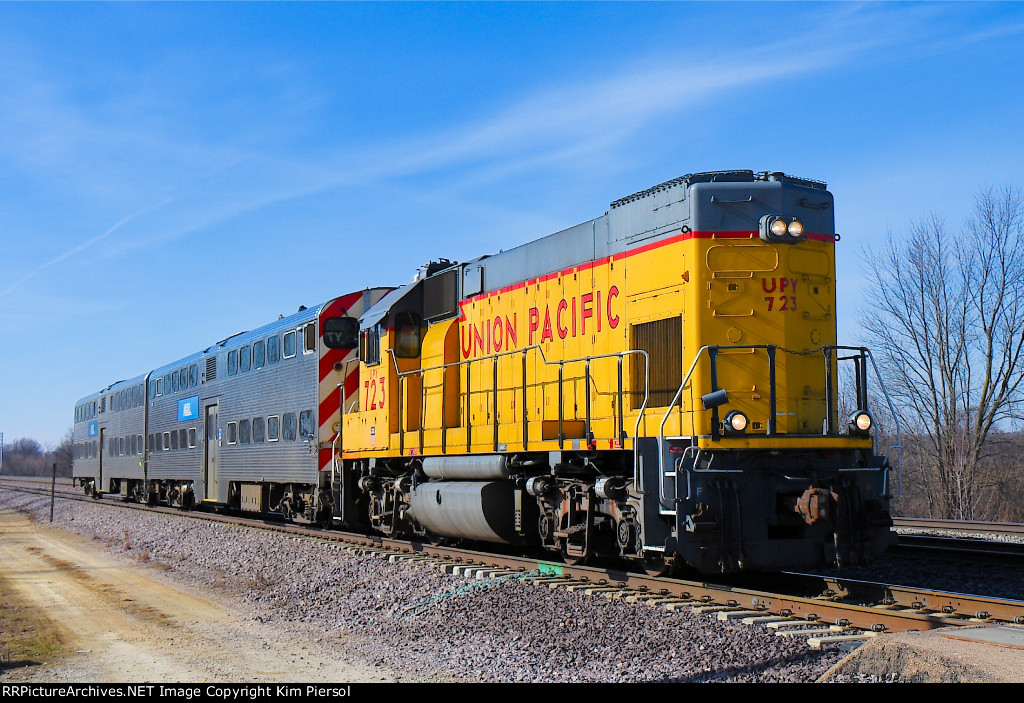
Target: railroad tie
x,y
645,596
562,582
792,623
585,587
764,619
812,631
701,609
602,589
551,581
816,642
491,572
678,604
735,614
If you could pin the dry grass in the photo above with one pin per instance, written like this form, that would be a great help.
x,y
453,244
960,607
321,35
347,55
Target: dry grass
x,y
28,636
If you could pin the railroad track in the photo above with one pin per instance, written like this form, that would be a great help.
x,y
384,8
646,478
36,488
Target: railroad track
x,y
822,609
979,527
960,545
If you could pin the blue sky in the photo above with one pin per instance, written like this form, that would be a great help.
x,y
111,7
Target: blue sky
x,y
173,173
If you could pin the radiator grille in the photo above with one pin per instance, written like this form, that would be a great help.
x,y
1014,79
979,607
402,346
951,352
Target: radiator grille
x,y
663,342
211,368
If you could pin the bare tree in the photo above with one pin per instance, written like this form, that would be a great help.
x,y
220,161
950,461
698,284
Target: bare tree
x,y
63,454
947,320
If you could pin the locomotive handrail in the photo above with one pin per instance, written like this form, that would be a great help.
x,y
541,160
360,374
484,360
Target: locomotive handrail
x,y
899,436
861,385
864,354
661,428
620,430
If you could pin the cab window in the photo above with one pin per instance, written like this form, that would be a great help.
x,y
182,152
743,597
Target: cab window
x,y
369,346
407,335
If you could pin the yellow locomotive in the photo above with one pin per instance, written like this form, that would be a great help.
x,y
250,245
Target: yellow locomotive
x,y
658,384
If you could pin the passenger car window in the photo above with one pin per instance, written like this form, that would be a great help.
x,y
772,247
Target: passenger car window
x,y
232,362
245,432
273,428
288,427
258,430
258,355
309,338
244,359
232,433
289,345
306,423
273,349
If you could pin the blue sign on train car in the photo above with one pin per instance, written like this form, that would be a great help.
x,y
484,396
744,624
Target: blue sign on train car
x,y
94,428
188,409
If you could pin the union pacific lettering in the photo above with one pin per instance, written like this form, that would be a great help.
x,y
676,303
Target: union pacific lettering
x,y
588,313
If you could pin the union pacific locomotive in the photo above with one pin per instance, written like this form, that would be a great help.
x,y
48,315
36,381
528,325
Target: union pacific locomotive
x,y
659,385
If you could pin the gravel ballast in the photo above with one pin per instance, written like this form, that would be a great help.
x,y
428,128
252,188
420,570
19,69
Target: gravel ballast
x,y
412,617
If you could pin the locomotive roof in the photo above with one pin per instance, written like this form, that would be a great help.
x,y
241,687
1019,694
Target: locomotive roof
x,y
719,177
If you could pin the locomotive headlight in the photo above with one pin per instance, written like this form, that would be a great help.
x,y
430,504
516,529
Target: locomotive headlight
x,y
775,229
860,422
735,422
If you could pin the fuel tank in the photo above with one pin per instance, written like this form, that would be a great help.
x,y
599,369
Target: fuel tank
x,y
489,511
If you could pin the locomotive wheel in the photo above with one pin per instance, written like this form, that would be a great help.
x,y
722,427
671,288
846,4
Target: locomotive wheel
x,y
656,565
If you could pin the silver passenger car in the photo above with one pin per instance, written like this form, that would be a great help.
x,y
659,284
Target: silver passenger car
x,y
248,422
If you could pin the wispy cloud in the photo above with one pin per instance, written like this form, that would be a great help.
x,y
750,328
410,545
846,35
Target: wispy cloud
x,y
555,125
81,247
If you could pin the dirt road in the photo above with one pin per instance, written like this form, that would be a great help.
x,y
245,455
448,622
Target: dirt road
x,y
126,622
